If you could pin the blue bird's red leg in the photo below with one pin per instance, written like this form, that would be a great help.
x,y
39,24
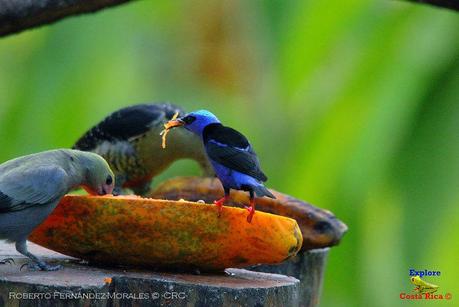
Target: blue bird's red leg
x,y
251,209
219,203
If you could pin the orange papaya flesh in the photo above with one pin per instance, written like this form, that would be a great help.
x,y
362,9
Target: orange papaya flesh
x,y
139,232
319,227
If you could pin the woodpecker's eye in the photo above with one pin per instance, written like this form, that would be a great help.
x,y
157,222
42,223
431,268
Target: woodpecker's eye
x,y
189,119
109,180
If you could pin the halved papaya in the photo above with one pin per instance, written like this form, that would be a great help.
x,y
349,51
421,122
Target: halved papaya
x,y
140,232
319,227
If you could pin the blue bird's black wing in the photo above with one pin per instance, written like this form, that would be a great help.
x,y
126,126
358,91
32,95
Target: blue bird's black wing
x,y
127,123
230,148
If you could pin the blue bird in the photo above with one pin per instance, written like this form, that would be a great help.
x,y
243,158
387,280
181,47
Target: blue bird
x,y
231,155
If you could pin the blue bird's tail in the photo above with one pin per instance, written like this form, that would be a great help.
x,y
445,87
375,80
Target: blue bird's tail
x,y
261,191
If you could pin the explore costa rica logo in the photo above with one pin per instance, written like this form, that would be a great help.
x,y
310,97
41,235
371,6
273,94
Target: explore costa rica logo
x,y
424,290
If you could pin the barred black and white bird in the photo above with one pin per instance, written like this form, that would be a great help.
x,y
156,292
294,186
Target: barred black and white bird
x,y
129,140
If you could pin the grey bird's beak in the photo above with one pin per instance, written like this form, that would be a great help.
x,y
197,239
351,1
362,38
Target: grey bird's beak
x,y
106,189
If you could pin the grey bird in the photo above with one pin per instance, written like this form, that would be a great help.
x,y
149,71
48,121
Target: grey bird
x,y
31,187
129,140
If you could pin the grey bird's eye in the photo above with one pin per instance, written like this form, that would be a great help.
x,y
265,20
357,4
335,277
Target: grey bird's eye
x,y
109,180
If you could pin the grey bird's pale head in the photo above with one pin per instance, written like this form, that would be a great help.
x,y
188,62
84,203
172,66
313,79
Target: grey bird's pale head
x,y
98,178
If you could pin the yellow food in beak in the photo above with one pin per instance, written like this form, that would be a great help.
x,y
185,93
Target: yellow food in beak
x,y
173,123
168,126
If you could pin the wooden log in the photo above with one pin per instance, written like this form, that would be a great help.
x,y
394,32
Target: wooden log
x,y
308,267
82,285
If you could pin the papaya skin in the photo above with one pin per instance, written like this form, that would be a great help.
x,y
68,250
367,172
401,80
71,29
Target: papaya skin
x,y
320,228
151,233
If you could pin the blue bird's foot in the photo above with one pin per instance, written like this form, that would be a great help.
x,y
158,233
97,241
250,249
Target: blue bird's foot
x,y
251,210
7,261
219,203
251,213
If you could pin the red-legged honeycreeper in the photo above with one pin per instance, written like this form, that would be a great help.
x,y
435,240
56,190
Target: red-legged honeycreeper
x,y
231,155
128,140
32,186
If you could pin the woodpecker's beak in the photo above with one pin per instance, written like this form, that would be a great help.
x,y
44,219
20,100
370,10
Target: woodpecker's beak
x,y
174,123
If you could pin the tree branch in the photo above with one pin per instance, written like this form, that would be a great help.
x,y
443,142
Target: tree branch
x,y
18,15
450,4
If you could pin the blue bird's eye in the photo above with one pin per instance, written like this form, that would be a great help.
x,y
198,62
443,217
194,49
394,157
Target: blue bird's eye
x,y
109,180
189,119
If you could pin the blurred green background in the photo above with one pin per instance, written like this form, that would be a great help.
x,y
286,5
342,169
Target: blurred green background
x,y
351,105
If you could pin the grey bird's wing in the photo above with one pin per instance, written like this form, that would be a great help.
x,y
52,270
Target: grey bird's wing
x,y
23,187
